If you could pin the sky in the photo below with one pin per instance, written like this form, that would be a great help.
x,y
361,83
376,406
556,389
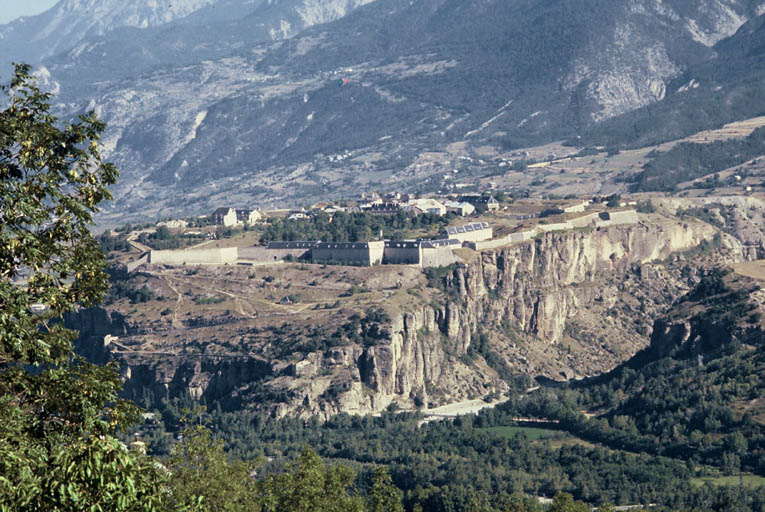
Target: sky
x,y
12,9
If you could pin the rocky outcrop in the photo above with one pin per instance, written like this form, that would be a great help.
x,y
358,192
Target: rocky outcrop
x,y
535,285
522,307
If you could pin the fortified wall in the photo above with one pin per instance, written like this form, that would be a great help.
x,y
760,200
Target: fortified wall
x,y
353,253
275,251
218,256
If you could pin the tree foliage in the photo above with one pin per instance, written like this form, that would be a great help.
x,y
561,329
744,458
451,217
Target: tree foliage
x,y
58,413
204,479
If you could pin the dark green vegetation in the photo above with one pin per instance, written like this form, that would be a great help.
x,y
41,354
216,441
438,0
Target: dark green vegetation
x,y
473,463
728,87
693,394
683,410
688,161
353,227
163,238
58,413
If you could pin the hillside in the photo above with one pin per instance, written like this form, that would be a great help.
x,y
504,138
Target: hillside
x,y
309,339
724,88
265,118
678,400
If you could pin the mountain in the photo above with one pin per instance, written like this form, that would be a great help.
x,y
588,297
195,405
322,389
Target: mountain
x,y
69,22
724,88
257,118
155,33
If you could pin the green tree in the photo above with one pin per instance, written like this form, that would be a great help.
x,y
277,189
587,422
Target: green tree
x,y
564,502
384,496
58,414
310,486
203,478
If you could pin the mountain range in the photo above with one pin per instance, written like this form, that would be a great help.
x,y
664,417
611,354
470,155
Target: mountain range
x,y
269,102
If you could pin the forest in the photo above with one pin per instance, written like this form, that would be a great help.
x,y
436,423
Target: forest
x,y
659,427
689,160
353,227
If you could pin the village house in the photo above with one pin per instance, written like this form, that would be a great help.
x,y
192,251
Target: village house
x,y
247,216
224,216
487,201
428,205
461,209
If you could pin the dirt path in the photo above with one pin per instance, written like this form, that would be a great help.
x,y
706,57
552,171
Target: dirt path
x,y
178,302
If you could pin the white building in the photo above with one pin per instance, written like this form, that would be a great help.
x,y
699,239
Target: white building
x,y
462,208
224,217
474,232
429,206
247,216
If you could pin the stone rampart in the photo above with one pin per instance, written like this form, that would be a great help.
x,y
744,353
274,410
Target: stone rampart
x,y
352,253
265,254
437,257
617,217
401,253
558,226
584,221
195,256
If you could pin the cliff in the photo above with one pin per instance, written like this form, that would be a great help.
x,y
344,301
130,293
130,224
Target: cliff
x,y
563,305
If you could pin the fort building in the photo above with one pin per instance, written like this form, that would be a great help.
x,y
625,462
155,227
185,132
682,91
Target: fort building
x,y
352,253
276,251
473,232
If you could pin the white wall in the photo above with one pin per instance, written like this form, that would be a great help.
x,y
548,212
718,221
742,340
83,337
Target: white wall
x,y
195,256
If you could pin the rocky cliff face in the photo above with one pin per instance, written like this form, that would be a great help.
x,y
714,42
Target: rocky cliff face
x,y
528,295
535,286
563,305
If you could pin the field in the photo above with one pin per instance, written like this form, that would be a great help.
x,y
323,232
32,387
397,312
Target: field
x,y
753,269
531,433
750,481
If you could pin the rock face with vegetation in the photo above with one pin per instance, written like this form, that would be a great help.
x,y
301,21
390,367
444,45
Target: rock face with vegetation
x,y
533,308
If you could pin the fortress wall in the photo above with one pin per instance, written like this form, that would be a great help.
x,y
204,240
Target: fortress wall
x,y
195,256
620,217
376,252
584,221
560,226
522,236
437,257
489,244
624,217
365,253
473,236
137,263
402,255
265,254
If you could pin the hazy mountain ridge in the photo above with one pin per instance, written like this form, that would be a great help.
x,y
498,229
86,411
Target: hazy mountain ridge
x,y
96,33
70,21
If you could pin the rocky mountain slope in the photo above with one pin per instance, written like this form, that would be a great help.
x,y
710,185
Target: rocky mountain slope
x,y
716,91
378,86
561,306
30,39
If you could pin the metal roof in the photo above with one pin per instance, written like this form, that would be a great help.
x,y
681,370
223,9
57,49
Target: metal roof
x,y
467,228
